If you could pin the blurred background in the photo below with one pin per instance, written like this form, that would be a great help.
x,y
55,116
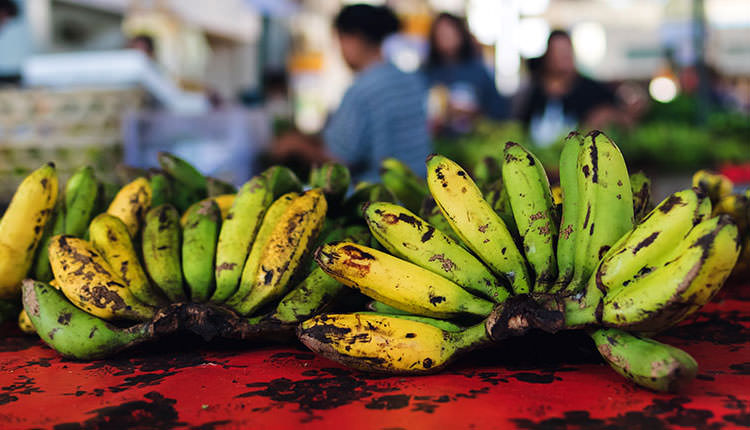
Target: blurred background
x,y
234,85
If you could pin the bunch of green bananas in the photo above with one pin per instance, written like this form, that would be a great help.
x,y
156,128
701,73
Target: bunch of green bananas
x,y
482,265
231,265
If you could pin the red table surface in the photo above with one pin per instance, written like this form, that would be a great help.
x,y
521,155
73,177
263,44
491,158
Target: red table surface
x,y
536,382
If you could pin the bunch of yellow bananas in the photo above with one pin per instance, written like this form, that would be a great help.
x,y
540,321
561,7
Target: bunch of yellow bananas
x,y
490,260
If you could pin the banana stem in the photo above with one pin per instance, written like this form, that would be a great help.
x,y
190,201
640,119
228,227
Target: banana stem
x,y
473,337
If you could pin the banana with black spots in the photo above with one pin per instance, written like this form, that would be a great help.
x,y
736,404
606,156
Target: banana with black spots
x,y
530,200
641,185
397,282
566,241
90,283
161,251
409,237
131,204
403,183
81,194
199,237
475,222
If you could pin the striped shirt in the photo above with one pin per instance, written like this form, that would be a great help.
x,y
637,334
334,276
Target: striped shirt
x,y
383,114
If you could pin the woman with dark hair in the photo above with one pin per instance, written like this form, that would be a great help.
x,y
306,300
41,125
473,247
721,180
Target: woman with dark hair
x,y
382,114
559,99
454,63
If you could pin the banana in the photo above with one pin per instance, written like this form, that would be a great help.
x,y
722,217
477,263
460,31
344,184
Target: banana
x,y
644,361
80,201
398,283
41,270
530,199
738,207
90,283
556,191
441,324
272,217
161,187
184,173
281,180
641,186
605,211
334,179
387,344
107,193
688,279
22,226
217,187
430,212
408,237
161,251
237,234
110,238
72,332
200,234
131,204
288,245
225,202
479,227
496,195
309,298
400,180
715,185
566,241
25,324
646,245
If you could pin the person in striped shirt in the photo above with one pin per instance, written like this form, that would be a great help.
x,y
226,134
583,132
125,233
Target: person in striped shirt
x,y
383,113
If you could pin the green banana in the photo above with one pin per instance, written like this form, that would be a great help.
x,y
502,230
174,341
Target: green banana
x,y
184,173
480,228
441,324
400,180
161,251
398,283
72,332
334,179
199,237
161,187
381,343
41,270
641,185
237,234
217,187
486,171
695,270
282,180
286,250
382,308
496,195
249,272
646,245
566,241
111,239
80,201
530,199
308,298
408,237
605,211
644,361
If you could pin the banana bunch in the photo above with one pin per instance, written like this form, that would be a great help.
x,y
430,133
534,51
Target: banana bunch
x,y
484,262
231,264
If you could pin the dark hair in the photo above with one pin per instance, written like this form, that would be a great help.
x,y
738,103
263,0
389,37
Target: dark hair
x,y
467,50
373,23
9,7
536,65
146,40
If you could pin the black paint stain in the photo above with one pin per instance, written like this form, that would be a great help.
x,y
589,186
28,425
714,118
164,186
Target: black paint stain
x,y
23,386
390,402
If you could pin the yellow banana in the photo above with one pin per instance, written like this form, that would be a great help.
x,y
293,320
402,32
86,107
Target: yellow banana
x,y
475,222
398,283
382,343
22,226
287,247
270,220
131,204
110,237
25,324
717,186
90,283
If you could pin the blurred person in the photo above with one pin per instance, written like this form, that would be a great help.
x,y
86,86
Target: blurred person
x,y
454,63
382,114
560,99
143,43
8,11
